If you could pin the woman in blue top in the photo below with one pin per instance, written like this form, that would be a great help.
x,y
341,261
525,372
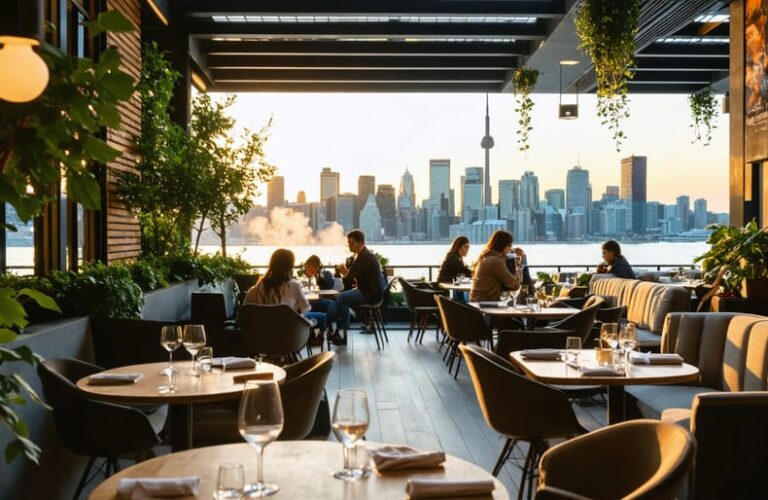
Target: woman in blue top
x,y
313,268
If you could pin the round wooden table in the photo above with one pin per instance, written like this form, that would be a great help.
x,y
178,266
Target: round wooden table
x,y
528,315
302,469
461,287
560,373
215,386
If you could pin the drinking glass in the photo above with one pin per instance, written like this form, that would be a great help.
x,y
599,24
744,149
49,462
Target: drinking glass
x,y
205,358
193,340
609,335
170,339
628,340
515,293
532,302
349,423
260,421
504,297
230,483
572,350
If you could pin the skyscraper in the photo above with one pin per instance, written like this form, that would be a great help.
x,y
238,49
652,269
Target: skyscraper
x,y
700,213
487,143
329,184
407,188
366,184
439,181
370,219
529,191
555,198
471,193
346,211
509,198
385,202
276,192
301,197
577,191
634,178
682,209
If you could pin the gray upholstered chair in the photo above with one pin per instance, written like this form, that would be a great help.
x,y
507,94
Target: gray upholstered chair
x,y
275,331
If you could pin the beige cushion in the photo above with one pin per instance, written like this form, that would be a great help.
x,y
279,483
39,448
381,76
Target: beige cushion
x,y
652,400
679,416
756,368
735,352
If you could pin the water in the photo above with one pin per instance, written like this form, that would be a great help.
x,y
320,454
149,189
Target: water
x,y
549,255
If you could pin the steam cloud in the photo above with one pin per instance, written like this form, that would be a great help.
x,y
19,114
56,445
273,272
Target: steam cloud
x,y
285,227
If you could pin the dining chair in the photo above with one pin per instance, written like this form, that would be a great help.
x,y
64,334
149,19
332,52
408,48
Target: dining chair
x,y
421,304
638,459
209,309
275,331
519,409
372,311
463,323
96,429
581,321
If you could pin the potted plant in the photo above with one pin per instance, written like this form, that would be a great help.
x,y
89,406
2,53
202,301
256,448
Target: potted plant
x,y
525,82
607,31
703,112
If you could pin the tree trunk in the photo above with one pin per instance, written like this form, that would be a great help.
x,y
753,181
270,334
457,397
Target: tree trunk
x,y
223,238
200,230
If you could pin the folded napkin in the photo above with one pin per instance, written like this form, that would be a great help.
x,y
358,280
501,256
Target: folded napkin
x,y
405,457
139,488
650,358
489,303
441,488
543,354
601,371
234,363
114,378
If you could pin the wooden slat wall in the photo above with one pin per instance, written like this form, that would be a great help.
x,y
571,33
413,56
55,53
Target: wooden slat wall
x,y
123,232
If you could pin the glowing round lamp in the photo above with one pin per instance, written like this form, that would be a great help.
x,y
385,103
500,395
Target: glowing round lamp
x,y
24,73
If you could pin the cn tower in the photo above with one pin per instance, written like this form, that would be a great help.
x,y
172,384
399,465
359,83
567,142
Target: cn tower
x,y
487,143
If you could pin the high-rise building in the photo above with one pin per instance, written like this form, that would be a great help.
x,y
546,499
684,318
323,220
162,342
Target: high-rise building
x,y
553,224
439,181
487,143
509,198
523,224
385,201
471,194
346,205
370,219
700,213
529,191
555,198
611,194
329,184
634,179
682,209
615,218
407,188
654,214
577,198
301,197
366,184
276,192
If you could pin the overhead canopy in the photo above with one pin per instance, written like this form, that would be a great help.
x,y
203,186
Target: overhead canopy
x,y
436,45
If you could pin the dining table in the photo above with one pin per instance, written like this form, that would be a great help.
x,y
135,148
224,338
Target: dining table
x,y
301,469
558,372
218,385
527,314
458,287
315,295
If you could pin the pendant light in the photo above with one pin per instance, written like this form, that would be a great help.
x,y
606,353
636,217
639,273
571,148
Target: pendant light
x,y
568,111
23,73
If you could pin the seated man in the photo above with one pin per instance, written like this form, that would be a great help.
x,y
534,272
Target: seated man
x,y
362,285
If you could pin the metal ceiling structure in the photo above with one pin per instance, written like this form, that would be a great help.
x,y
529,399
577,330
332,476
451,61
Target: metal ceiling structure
x,y
436,45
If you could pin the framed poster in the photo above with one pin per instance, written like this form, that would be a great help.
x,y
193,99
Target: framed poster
x,y
756,79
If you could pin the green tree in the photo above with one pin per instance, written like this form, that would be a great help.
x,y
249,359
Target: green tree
x,y
230,167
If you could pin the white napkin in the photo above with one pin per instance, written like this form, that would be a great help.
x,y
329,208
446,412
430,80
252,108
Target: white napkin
x,y
542,354
441,488
488,303
405,457
234,363
600,371
114,378
650,358
145,488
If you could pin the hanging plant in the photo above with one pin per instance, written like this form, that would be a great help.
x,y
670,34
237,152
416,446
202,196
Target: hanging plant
x,y
525,81
607,31
703,111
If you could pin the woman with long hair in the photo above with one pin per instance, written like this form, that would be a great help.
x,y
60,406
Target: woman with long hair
x,y
453,264
491,272
277,286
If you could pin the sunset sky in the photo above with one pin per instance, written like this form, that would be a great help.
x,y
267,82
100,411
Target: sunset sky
x,y
382,134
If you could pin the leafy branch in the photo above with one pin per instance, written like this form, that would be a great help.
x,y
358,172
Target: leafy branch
x,y
703,112
525,82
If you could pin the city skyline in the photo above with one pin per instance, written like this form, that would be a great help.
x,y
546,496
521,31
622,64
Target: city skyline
x,y
427,128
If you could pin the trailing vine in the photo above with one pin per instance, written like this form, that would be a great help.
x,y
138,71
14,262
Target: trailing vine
x,y
703,111
525,81
607,31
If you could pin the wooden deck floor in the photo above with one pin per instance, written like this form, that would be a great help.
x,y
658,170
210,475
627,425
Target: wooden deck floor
x,y
414,400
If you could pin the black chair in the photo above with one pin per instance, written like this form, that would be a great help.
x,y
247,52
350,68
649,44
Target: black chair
x,y
244,282
519,409
581,322
210,310
122,342
93,428
372,312
421,303
517,340
463,323
275,331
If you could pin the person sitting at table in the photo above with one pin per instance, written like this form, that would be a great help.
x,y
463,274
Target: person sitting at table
x,y
491,273
313,268
615,263
453,264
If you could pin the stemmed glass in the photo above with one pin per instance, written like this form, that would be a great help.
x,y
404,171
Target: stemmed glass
x,y
170,339
628,340
609,335
260,421
194,339
349,424
572,350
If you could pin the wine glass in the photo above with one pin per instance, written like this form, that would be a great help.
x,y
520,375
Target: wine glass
x,y
193,339
349,424
170,339
260,421
572,350
628,340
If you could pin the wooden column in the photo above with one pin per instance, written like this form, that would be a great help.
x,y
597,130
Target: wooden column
x,y
736,92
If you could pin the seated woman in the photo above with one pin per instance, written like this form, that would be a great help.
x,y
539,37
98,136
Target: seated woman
x,y
453,265
491,273
313,268
615,263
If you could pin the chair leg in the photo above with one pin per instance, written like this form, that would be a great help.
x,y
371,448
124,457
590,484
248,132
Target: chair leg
x,y
451,356
410,327
458,365
84,478
423,327
383,325
502,456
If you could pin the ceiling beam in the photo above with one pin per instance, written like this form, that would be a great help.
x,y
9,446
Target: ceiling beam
x,y
359,62
704,30
682,64
327,47
669,76
537,8
384,75
704,50
357,87
207,29
665,88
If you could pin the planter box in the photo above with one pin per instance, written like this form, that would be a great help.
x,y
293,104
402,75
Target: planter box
x,y
170,304
737,304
